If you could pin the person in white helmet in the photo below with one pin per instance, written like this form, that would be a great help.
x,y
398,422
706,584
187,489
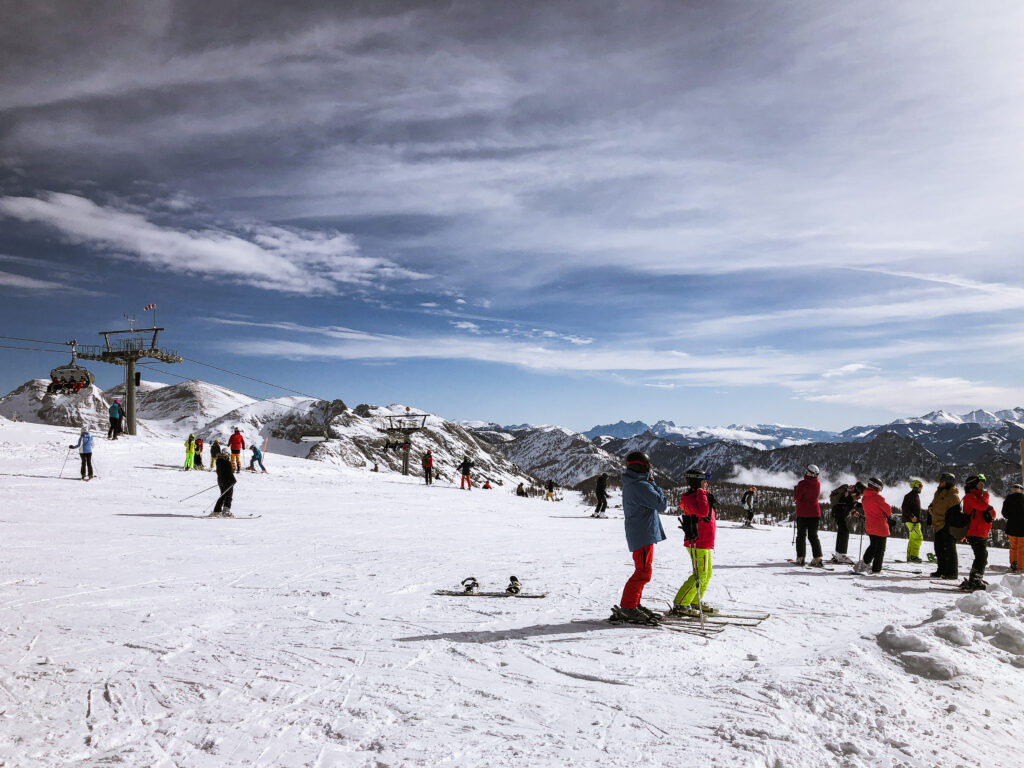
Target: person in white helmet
x,y
808,517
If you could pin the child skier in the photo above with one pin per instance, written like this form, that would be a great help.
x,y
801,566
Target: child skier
x,y
698,524
876,524
642,502
257,458
981,515
84,446
1013,512
911,509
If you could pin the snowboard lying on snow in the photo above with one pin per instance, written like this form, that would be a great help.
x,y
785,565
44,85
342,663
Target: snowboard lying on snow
x,y
471,588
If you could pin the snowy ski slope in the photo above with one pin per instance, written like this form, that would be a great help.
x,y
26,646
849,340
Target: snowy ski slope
x,y
134,635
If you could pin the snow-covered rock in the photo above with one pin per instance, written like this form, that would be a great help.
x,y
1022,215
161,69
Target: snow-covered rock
x,y
31,402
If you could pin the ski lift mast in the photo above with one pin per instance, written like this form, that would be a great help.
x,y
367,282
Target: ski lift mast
x,y
130,347
402,426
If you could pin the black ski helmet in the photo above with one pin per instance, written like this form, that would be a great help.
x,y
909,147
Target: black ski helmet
x,y
948,478
875,483
638,462
859,487
694,477
972,482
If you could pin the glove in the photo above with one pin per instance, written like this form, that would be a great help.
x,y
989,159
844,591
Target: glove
x,y
70,447
689,525
988,516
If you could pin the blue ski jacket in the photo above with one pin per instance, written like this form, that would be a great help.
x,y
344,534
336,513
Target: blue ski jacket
x,y
84,444
115,411
642,501
256,453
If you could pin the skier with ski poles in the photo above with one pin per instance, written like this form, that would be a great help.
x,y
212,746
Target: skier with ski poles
x,y
748,506
226,482
601,491
642,502
845,503
84,446
911,511
808,516
876,522
698,523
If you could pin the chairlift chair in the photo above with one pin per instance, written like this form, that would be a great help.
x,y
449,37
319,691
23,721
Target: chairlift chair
x,y
72,372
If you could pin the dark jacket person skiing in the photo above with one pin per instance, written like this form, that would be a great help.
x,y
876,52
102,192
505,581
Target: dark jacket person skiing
x,y
601,491
226,484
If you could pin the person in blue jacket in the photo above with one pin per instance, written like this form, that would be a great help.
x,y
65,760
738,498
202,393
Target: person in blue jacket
x,y
642,502
257,458
84,446
115,420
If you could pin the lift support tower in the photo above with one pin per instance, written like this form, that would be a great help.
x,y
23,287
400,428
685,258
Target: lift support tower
x,y
128,350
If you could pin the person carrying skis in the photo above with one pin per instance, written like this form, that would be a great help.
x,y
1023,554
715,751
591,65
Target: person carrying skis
x,y
236,443
1013,513
876,524
84,446
944,508
115,420
190,451
748,506
550,488
981,514
602,495
464,468
642,502
911,509
427,462
226,483
698,523
845,500
257,458
198,456
808,517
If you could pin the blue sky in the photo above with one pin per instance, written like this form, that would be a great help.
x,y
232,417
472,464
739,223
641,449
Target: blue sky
x,y
560,212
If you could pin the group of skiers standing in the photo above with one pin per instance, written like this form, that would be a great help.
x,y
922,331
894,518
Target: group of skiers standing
x,y
236,444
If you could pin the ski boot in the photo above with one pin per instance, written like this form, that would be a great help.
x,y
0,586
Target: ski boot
x,y
632,616
816,563
860,567
914,559
936,574
470,585
684,611
932,558
514,586
799,561
707,609
1014,568
841,558
651,615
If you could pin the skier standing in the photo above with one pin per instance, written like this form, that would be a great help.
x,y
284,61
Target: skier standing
x,y
550,495
190,451
945,505
876,524
748,505
602,496
911,509
698,524
214,453
521,491
257,458
981,513
845,500
198,456
808,516
465,467
115,420
226,484
236,443
427,462
642,502
1013,512
84,446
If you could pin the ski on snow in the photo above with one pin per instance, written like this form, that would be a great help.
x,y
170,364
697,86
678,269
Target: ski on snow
x,y
809,567
221,517
456,593
687,629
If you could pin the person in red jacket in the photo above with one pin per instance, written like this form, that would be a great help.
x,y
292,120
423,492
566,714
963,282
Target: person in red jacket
x,y
427,462
981,515
876,524
698,523
808,516
236,443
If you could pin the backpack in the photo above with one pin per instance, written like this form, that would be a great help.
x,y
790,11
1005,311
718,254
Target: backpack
x,y
957,518
837,495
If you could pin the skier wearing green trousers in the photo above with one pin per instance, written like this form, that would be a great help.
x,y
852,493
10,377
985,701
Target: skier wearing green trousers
x,y
190,452
911,509
698,523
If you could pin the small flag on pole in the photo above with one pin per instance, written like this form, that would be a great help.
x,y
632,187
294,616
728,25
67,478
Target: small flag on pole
x,y
149,307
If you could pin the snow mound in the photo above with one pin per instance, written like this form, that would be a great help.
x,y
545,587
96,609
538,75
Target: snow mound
x,y
981,623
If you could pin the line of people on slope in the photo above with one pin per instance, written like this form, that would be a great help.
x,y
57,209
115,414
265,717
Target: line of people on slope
x,y
236,444
464,468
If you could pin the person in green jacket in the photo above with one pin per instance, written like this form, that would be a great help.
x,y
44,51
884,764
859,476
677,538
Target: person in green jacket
x,y
190,452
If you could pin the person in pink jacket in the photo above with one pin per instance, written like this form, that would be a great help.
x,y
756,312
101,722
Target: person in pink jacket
x,y
808,517
698,523
981,513
876,524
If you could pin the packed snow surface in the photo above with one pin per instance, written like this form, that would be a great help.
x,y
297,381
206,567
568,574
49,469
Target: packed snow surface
x,y
135,635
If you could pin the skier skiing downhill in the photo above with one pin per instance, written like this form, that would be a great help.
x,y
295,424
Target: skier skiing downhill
x,y
845,499
84,446
748,506
698,524
642,502
808,516
911,509
876,524
945,505
226,484
1013,512
236,443
981,513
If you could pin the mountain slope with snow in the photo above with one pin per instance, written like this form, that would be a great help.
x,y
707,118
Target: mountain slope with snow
x,y
552,453
31,402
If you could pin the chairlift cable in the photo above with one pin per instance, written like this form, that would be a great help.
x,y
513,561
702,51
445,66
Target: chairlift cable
x,y
35,341
251,378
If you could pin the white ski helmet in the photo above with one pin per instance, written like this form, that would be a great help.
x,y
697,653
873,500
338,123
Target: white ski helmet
x,y
812,470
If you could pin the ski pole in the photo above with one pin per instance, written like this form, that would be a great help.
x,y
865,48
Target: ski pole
x,y
860,546
197,493
696,579
66,457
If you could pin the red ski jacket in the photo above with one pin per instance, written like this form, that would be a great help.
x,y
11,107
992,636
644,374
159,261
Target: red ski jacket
x,y
975,504
806,497
236,442
876,513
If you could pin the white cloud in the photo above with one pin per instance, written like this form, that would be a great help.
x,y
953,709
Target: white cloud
x,y
466,325
268,257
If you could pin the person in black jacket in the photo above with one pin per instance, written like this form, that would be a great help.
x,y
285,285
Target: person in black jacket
x,y
1013,512
845,501
226,483
464,468
602,496
911,509
748,506
550,487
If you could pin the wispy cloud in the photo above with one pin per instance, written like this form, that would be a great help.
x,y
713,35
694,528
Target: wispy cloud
x,y
267,257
